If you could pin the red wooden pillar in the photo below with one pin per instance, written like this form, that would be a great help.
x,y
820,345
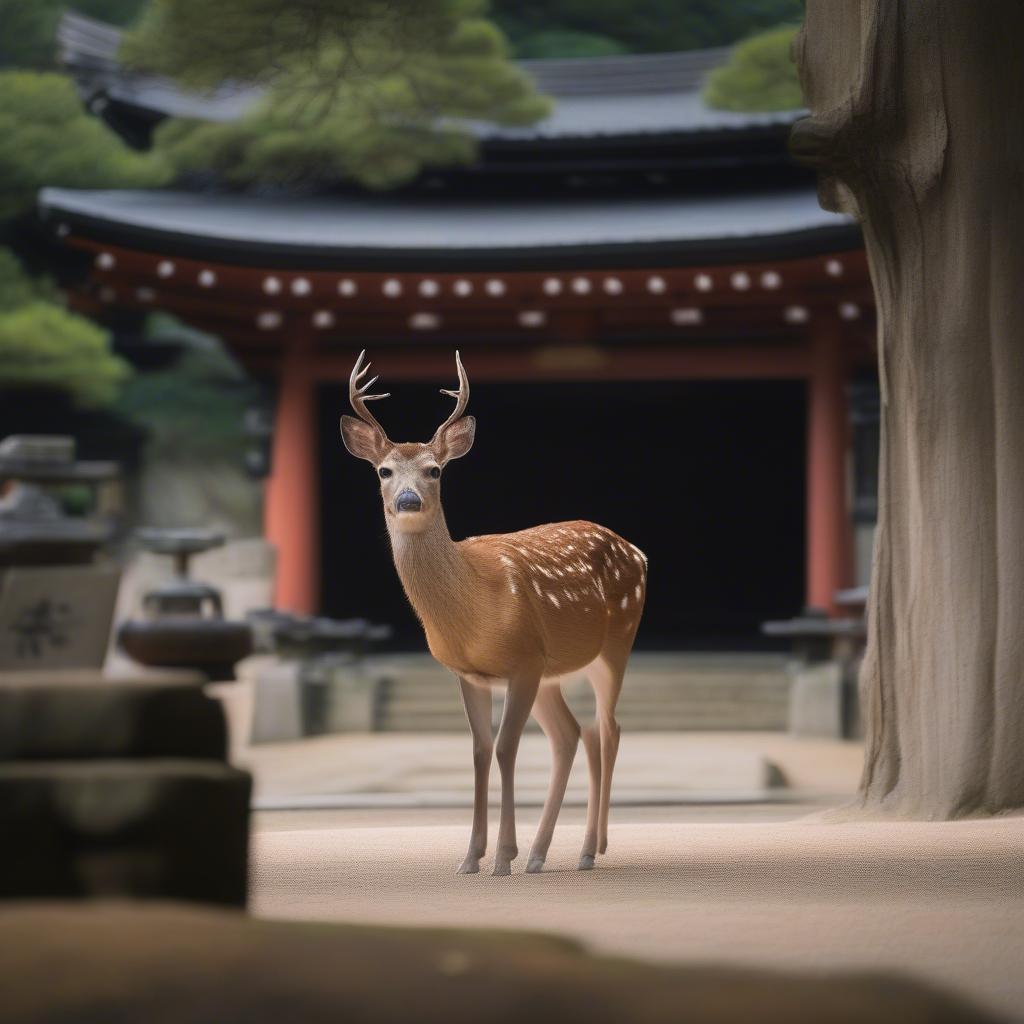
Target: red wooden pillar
x,y
291,509
828,518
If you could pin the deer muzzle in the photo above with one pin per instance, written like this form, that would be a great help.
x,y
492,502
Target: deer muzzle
x,y
408,501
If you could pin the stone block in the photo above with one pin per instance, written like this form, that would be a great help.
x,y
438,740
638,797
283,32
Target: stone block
x,y
816,700
56,617
131,719
277,702
350,698
167,829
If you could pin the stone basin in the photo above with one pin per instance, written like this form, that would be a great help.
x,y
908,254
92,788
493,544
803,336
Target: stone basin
x,y
211,645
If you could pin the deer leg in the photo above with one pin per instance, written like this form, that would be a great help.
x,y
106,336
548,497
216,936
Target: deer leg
x,y
610,733
563,733
518,701
606,679
477,701
592,745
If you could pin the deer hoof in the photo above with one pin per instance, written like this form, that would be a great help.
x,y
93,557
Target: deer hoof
x,y
534,865
586,862
470,866
502,867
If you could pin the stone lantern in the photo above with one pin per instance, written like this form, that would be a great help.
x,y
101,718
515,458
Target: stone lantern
x,y
183,624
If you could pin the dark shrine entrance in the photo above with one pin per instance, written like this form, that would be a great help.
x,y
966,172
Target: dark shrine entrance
x,y
707,477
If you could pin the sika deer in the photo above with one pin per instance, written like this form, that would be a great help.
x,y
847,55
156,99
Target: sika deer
x,y
520,610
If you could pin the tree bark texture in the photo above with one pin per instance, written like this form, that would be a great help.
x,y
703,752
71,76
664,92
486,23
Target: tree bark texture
x,y
917,129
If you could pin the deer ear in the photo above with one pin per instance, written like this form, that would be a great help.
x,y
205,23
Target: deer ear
x,y
456,440
362,440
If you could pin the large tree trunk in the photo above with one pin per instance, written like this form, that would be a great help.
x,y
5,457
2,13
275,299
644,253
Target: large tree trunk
x,y
917,128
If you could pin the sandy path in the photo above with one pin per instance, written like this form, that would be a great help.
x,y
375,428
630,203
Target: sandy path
x,y
943,902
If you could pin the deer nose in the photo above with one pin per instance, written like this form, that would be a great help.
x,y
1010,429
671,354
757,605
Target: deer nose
x,y
408,501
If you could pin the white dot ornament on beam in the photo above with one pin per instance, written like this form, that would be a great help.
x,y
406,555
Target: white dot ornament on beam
x,y
533,318
687,317
424,321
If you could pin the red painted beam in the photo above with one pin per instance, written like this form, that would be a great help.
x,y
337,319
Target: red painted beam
x,y
582,362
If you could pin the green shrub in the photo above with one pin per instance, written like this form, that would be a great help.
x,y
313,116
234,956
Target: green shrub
x,y
43,346
760,76
49,139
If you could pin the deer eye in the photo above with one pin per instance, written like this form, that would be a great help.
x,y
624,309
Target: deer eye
x,y
384,472
435,471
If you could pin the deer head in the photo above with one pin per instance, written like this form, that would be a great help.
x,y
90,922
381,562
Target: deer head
x,y
409,472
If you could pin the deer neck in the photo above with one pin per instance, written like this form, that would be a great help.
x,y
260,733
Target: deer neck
x,y
434,574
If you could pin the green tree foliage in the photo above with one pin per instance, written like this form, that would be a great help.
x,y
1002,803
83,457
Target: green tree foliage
x,y
642,26
48,139
29,27
16,288
760,76
46,347
373,92
194,409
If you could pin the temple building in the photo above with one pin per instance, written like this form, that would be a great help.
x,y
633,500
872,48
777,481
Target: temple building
x,y
663,330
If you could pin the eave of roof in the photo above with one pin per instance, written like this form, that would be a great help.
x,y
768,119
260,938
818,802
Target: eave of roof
x,y
383,232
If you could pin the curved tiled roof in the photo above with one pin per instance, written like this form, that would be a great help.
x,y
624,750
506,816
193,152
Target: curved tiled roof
x,y
595,96
400,230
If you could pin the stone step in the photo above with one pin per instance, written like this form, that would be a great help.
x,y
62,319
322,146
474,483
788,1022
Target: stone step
x,y
660,692
668,680
769,719
631,686
636,690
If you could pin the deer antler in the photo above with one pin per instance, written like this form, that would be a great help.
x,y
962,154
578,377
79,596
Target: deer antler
x,y
357,393
461,398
